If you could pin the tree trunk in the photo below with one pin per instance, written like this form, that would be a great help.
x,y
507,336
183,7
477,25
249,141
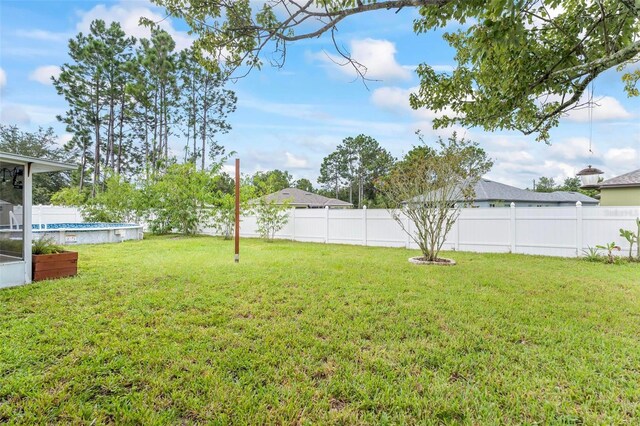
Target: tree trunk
x,y
83,163
121,135
96,160
146,141
194,112
166,128
110,132
155,131
205,108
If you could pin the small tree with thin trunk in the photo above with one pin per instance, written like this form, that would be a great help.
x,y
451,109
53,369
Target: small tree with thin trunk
x,y
429,186
271,217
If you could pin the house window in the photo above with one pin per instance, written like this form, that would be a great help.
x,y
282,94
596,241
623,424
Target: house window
x,y
492,205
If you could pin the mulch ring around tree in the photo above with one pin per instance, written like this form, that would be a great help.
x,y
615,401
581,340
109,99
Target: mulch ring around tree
x,y
440,261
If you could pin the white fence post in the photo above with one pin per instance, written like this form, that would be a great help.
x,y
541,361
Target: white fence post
x,y
512,228
364,225
408,244
326,224
293,224
456,242
578,228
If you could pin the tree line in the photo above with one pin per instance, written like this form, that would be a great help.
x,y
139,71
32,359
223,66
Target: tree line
x,y
128,98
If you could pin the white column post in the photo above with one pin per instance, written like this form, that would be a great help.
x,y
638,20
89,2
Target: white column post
x,y
364,225
512,228
27,194
578,228
326,224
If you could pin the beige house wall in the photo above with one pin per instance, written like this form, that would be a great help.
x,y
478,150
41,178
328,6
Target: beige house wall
x,y
629,196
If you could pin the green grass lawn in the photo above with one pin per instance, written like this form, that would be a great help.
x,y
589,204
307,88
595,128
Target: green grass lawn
x,y
169,330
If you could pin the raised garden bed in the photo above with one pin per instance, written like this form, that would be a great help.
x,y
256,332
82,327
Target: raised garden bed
x,y
57,265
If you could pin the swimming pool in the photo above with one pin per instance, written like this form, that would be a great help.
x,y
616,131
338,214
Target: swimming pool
x,y
88,232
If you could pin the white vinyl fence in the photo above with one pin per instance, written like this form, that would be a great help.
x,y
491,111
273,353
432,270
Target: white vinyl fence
x,y
551,231
41,214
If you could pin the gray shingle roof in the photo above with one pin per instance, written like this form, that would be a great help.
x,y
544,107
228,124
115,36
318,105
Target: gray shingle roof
x,y
300,198
487,190
627,179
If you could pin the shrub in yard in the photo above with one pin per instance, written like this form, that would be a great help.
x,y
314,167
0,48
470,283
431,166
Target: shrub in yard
x,y
179,200
118,202
429,186
70,197
270,217
632,238
592,254
610,248
45,245
224,210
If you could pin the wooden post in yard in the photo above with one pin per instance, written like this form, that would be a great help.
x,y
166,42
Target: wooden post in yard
x,y
237,228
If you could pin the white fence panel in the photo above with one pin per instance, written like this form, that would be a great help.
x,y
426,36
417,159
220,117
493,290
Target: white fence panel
x,y
602,225
482,230
43,214
345,227
383,230
551,231
310,225
248,226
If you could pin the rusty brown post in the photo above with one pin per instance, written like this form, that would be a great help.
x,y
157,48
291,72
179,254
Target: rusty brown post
x,y
237,256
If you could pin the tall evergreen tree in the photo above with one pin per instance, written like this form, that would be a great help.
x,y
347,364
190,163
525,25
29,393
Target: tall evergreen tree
x,y
358,162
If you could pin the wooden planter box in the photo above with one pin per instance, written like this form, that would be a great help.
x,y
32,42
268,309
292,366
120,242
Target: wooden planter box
x,y
47,266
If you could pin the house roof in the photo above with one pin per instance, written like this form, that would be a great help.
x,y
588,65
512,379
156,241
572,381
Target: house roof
x,y
627,179
38,165
487,190
300,198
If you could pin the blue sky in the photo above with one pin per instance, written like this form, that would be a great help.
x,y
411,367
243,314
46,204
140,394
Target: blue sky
x,y
291,118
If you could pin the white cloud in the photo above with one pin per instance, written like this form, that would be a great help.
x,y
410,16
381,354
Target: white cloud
x,y
43,74
128,14
513,157
29,114
295,162
43,35
3,78
443,68
604,108
378,56
14,114
573,148
558,170
65,138
396,99
622,160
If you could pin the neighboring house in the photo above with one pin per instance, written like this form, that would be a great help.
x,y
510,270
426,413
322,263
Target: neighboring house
x,y
495,194
623,190
300,199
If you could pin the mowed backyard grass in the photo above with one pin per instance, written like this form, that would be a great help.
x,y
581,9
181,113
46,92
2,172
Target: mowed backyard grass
x,y
170,331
